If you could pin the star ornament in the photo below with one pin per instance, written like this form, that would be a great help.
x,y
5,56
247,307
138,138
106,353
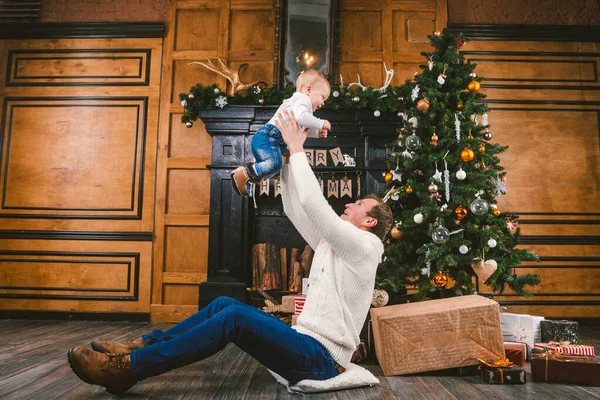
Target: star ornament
x,y
438,175
397,175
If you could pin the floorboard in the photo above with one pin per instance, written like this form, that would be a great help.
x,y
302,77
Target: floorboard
x,y
33,366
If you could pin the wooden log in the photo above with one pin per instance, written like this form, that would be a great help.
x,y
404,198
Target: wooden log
x,y
306,262
266,266
295,272
283,267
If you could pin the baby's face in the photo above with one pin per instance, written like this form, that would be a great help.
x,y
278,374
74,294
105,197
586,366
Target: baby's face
x,y
318,93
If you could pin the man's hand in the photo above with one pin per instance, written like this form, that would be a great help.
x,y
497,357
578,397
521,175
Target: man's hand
x,y
292,135
326,125
323,133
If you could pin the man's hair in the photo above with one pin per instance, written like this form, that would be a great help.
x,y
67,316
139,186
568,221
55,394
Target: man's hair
x,y
310,77
383,214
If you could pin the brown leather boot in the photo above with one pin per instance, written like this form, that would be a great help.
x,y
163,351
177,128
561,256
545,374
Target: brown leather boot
x,y
113,371
239,177
103,346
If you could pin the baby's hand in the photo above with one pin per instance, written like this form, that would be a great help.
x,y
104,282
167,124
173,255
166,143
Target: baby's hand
x,y
326,125
323,133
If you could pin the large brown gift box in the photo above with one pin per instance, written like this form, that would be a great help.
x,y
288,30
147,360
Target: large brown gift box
x,y
437,334
565,368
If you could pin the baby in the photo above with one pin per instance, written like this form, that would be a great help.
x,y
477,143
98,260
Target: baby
x,y
312,89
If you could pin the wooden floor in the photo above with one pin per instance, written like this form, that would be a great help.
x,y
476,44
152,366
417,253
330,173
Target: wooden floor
x,y
33,365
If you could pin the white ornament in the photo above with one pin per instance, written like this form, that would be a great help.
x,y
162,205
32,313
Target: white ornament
x,y
457,127
418,218
446,179
221,101
461,175
376,113
414,122
463,249
492,243
484,119
349,161
395,197
380,298
415,93
499,187
406,154
217,90
425,271
438,174
336,93
441,80
183,103
430,63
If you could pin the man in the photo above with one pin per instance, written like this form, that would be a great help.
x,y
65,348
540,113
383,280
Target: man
x,y
348,250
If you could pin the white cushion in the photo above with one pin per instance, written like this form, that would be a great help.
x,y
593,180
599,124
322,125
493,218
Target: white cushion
x,y
354,376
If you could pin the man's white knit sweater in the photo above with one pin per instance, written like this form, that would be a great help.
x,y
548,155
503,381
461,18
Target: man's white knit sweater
x,y
342,275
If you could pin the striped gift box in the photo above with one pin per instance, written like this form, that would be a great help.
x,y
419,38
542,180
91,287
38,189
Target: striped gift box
x,y
575,349
299,304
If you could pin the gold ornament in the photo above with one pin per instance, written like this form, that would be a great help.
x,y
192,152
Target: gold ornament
x,y
432,188
396,233
261,101
423,105
460,212
388,177
437,33
467,155
497,212
409,190
460,106
434,140
440,279
473,86
481,148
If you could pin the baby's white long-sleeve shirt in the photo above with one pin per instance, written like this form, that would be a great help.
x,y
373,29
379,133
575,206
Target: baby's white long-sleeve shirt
x,y
301,106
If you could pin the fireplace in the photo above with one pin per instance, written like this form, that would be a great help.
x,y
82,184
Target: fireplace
x,y
235,224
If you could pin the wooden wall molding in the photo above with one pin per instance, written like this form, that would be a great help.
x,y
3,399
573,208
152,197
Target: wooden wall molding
x,y
529,33
87,30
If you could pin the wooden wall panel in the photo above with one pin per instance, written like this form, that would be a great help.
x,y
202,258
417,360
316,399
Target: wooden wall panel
x,y
78,138
545,106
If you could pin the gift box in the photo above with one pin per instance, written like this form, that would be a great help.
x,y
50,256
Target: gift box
x,y
516,352
521,328
436,334
502,376
288,303
567,348
565,368
559,331
299,303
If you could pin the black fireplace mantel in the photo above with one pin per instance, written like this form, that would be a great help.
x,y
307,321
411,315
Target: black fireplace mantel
x,y
235,225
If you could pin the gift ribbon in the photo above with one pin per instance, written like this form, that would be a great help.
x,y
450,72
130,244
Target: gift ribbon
x,y
559,344
560,357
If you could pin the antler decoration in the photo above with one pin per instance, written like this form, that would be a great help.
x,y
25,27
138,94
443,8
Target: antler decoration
x,y
389,74
229,74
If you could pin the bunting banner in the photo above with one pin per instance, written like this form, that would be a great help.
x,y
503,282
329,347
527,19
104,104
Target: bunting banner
x,y
310,156
345,187
264,187
277,187
321,157
333,187
336,156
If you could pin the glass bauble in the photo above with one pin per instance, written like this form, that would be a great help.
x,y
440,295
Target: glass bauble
x,y
479,207
413,142
440,235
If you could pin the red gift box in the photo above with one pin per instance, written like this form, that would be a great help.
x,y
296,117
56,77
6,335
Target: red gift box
x,y
299,303
567,348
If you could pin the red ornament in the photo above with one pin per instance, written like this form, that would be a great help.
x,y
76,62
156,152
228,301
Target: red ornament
x,y
459,42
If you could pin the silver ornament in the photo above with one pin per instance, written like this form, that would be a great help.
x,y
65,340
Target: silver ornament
x,y
376,113
191,96
440,235
479,207
189,124
432,188
492,243
463,249
356,99
336,93
412,142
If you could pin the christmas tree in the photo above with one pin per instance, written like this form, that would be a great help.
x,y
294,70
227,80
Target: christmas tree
x,y
442,185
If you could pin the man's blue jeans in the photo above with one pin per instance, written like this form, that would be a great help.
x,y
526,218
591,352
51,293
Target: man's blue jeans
x,y
267,147
272,342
